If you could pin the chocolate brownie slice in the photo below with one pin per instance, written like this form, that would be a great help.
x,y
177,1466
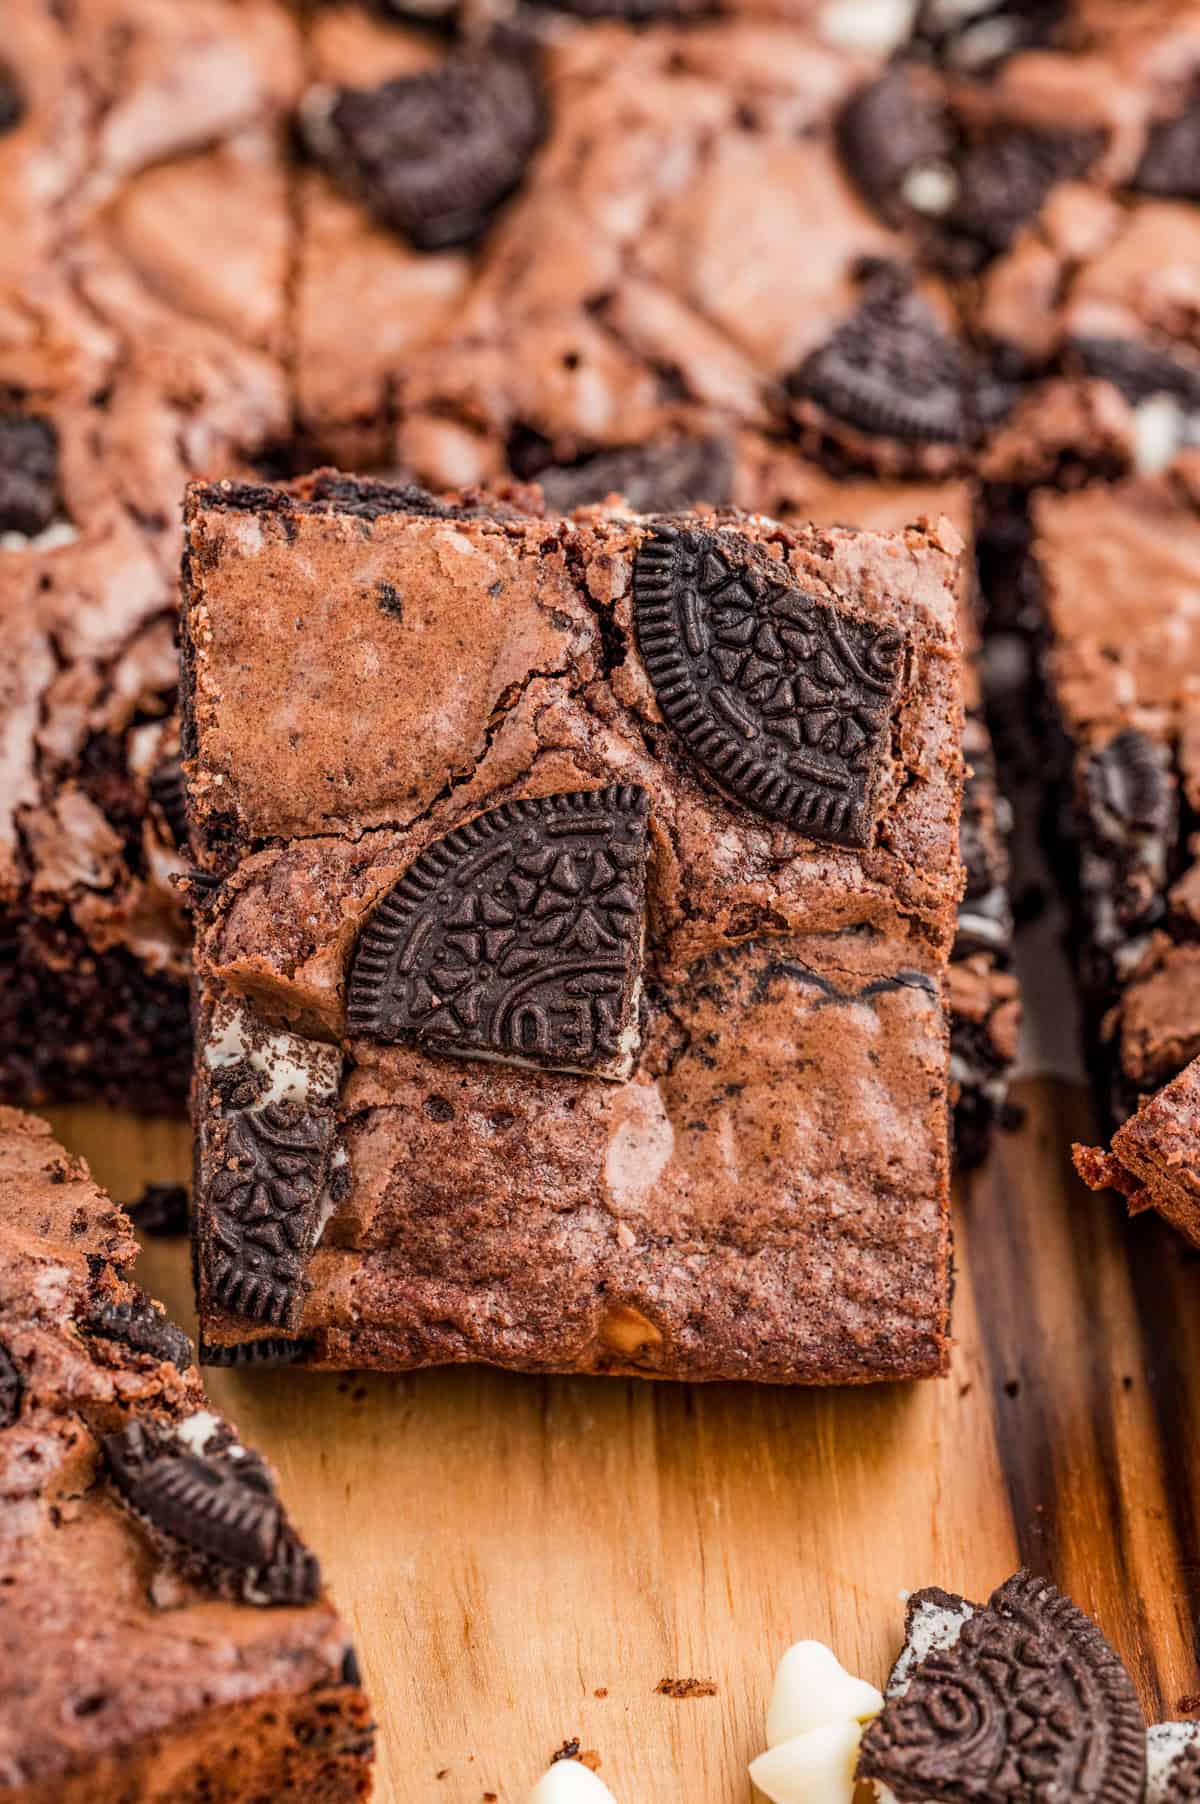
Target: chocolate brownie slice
x,y
130,358
165,1632
1153,1161
1116,568
580,878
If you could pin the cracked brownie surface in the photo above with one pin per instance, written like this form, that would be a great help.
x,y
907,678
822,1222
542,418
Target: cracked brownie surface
x,y
529,1014
164,1627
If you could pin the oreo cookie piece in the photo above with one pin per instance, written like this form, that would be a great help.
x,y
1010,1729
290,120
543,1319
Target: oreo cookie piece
x,y
1004,179
893,371
12,1388
271,1350
1170,166
166,788
434,155
217,1512
142,1328
896,144
1022,1700
1138,370
28,474
161,1212
653,479
12,101
1173,1763
980,36
1129,791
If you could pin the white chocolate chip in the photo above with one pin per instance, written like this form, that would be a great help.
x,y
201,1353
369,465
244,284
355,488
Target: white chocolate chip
x,y
814,1768
880,26
812,1688
570,1782
930,188
1160,428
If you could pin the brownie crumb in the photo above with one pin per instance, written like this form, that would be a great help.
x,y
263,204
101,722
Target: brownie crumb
x,y
686,1688
1189,1703
601,1691
568,1751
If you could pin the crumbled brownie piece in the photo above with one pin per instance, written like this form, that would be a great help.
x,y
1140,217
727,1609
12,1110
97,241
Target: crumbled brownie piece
x,y
143,1546
1154,1161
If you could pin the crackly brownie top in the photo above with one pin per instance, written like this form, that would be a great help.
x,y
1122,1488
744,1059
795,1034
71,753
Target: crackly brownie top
x,y
1115,567
821,667
131,1511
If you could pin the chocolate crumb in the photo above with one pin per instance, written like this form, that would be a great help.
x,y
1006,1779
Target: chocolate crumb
x,y
568,1751
1189,1703
601,1691
686,1688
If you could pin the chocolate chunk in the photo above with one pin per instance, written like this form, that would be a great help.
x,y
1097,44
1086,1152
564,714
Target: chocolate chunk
x,y
1029,1703
220,1511
351,1671
12,101
654,479
166,788
1138,370
262,1209
1128,790
1004,179
891,369
518,937
434,155
885,132
12,1388
161,1211
28,473
142,1328
785,701
1170,166
272,1350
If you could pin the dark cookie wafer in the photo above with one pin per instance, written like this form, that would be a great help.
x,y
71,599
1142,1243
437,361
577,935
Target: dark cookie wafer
x,y
28,471
433,155
219,1510
11,1388
142,1328
161,1212
271,1350
652,479
784,701
1027,1702
1004,179
12,101
1138,369
888,129
166,789
1170,166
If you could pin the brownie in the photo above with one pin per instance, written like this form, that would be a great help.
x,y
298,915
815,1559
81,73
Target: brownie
x,y
773,478
534,997
1115,568
640,154
165,1632
1152,1160
130,358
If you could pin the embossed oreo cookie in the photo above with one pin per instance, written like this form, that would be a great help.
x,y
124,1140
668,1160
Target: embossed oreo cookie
x,y
1023,1699
654,479
1138,370
28,473
892,370
12,1388
263,1207
517,937
1004,179
217,1511
784,700
890,133
1170,166
142,1328
433,155
166,789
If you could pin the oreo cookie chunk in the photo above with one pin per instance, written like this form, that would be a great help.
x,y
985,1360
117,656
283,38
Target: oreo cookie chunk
x,y
1003,180
1017,1699
28,474
11,1388
215,1511
652,479
143,1328
893,371
1170,166
977,37
1173,1763
12,101
161,1212
896,142
434,155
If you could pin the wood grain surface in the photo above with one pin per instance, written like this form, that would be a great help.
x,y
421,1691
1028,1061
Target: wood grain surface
x,y
523,1560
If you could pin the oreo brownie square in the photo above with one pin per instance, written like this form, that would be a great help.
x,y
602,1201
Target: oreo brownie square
x,y
130,359
165,1632
574,882
1152,1160
1116,568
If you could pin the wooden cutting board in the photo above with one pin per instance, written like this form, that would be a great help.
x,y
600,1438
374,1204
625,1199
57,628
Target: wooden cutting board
x,y
525,1560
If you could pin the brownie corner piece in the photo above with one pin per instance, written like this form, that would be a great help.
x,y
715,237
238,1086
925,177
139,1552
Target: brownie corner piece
x,y
548,1066
165,1627
1154,1158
